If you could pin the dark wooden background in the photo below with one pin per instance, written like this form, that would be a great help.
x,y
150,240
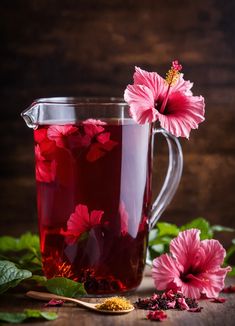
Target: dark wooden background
x,y
89,48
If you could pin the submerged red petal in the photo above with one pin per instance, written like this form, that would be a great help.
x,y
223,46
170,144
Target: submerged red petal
x,y
45,169
81,221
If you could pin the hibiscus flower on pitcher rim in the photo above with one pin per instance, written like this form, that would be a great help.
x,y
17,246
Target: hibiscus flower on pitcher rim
x,y
170,101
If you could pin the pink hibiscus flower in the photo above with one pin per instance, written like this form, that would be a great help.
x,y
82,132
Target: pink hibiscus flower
x,y
60,133
45,170
99,141
81,221
193,266
170,101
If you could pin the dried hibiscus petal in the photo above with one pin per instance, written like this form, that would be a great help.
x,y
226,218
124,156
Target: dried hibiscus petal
x,y
218,300
54,303
157,315
198,309
229,289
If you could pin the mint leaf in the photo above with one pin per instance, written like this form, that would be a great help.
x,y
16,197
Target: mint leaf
x,y
12,317
167,229
10,275
41,280
201,224
17,317
24,251
8,244
32,313
65,287
26,241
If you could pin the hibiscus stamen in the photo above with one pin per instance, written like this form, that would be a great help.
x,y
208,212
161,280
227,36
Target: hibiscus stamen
x,y
171,78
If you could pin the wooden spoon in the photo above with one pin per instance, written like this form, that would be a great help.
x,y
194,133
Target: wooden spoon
x,y
92,306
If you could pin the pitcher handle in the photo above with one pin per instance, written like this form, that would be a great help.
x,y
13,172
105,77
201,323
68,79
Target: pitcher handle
x,y
172,178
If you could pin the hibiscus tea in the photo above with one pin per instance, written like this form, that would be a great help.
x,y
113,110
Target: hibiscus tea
x,y
93,195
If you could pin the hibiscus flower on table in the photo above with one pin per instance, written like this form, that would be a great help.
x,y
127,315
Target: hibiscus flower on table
x,y
169,101
193,266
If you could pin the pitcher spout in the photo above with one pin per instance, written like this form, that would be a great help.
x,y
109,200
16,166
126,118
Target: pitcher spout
x,y
30,115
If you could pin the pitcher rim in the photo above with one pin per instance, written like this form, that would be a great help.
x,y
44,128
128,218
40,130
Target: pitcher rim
x,y
81,101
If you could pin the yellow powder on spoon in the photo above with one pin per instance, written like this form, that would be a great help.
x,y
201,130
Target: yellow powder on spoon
x,y
115,304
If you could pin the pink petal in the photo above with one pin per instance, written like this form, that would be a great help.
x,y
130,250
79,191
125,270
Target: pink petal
x,y
109,145
185,248
79,221
157,315
103,138
95,218
45,170
94,122
54,303
91,129
171,304
214,282
152,80
40,135
141,101
95,152
48,149
194,287
182,304
78,141
165,270
182,113
182,85
57,133
213,254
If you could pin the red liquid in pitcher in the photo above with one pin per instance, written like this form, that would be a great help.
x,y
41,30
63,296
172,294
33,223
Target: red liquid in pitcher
x,y
93,193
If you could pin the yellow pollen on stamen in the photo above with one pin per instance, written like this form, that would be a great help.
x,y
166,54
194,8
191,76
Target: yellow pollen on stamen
x,y
172,76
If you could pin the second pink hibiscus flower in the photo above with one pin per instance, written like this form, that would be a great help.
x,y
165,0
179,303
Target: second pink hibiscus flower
x,y
170,101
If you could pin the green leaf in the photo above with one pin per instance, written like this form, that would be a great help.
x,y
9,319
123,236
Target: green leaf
x,y
229,253
8,244
41,280
167,229
201,224
10,275
221,228
158,248
232,273
26,241
32,313
12,317
65,287
152,236
17,317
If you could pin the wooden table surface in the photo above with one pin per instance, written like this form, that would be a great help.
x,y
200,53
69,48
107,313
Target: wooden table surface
x,y
69,314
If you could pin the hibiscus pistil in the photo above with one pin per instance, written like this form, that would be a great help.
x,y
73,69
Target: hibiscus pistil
x,y
171,78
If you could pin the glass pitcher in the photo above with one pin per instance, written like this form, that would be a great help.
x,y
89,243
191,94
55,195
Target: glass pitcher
x,y
93,168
